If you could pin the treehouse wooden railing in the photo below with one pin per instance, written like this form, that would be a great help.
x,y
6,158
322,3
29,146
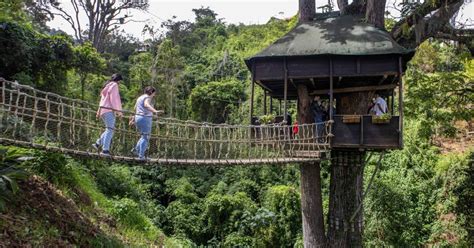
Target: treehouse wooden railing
x,y
43,120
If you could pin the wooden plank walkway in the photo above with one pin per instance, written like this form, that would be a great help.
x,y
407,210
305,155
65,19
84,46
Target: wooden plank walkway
x,y
312,157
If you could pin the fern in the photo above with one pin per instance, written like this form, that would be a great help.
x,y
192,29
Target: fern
x,y
10,174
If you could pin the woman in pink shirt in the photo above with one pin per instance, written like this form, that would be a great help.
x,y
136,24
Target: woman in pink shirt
x,y
110,106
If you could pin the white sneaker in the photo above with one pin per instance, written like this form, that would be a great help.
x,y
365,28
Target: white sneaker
x,y
96,146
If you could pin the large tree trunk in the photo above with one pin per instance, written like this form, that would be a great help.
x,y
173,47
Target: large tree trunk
x,y
354,103
307,9
345,191
375,13
311,198
345,195
342,4
312,205
357,7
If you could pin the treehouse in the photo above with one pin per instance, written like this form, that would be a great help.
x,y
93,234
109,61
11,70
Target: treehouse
x,y
346,61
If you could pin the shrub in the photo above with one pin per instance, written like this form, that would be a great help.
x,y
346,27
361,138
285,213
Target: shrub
x,y
9,174
127,212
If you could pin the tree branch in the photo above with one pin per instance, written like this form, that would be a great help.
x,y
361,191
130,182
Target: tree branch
x,y
435,24
419,14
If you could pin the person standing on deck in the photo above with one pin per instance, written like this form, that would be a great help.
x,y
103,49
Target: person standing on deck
x,y
380,105
319,113
144,111
110,106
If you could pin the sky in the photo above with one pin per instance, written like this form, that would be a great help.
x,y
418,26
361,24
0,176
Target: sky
x,y
232,11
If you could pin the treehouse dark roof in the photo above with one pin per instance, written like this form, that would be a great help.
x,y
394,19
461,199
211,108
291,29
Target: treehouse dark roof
x,y
345,47
344,35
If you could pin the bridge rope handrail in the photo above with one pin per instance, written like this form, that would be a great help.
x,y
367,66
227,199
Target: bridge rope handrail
x,y
70,125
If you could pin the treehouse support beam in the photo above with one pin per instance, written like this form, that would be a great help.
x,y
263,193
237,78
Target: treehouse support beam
x,y
271,104
264,102
285,93
400,100
252,93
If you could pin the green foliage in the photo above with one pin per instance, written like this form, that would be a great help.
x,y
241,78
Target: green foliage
x,y
224,213
34,57
415,201
128,213
10,174
284,202
118,181
139,74
184,220
267,119
393,209
167,76
52,166
87,61
454,223
213,102
12,10
439,87
17,51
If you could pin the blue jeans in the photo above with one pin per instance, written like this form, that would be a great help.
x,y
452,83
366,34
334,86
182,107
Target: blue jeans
x,y
144,127
106,137
319,129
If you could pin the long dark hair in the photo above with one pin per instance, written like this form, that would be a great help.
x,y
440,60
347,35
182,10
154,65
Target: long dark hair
x,y
116,77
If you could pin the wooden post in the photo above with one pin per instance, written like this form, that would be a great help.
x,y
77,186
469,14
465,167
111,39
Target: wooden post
x,y
400,101
252,93
271,104
331,90
264,102
279,106
285,93
392,102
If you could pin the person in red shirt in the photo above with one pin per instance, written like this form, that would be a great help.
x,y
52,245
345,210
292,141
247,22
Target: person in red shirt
x,y
295,129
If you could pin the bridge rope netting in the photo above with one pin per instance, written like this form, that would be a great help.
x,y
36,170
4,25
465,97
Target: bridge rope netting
x,y
43,120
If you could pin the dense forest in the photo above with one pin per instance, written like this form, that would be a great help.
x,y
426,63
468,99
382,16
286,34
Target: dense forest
x,y
422,195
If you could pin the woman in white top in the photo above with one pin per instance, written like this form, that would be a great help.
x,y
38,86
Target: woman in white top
x,y
380,105
144,111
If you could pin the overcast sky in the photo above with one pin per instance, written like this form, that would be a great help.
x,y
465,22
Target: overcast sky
x,y
232,11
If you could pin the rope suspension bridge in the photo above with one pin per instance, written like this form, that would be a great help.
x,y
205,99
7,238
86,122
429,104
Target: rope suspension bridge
x,y
43,120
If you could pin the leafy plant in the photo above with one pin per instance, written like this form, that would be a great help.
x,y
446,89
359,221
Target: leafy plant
x,y
384,118
267,119
10,174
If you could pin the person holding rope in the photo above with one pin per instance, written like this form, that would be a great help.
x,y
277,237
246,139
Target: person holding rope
x,y
110,106
144,111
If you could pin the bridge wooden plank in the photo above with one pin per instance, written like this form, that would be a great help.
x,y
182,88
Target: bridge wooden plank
x,y
164,161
